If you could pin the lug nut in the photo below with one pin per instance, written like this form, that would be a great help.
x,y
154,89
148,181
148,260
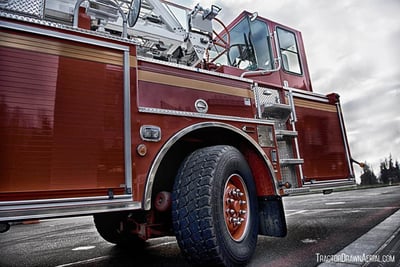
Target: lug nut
x,y
236,193
233,220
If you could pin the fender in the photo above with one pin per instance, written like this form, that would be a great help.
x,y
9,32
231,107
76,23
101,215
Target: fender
x,y
170,143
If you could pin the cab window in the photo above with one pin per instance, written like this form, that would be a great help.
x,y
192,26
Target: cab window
x,y
260,39
289,51
250,47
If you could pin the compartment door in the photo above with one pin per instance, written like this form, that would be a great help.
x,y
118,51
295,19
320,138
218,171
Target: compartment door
x,y
322,140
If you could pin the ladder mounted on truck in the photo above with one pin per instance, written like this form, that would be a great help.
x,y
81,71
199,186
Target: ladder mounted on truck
x,y
163,30
272,106
153,24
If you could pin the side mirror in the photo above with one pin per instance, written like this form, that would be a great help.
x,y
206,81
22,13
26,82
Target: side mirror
x,y
134,11
253,16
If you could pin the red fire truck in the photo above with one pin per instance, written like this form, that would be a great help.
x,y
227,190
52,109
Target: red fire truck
x,y
147,116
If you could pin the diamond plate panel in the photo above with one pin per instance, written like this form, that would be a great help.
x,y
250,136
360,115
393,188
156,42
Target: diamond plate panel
x,y
33,8
289,175
267,96
285,150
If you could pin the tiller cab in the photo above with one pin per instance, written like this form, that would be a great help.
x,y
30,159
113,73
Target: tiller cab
x,y
160,120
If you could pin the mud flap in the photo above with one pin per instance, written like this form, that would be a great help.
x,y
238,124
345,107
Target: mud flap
x,y
271,216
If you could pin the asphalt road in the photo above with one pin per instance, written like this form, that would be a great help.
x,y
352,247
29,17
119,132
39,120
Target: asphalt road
x,y
317,225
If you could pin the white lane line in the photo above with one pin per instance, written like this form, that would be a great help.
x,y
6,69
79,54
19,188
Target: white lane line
x,y
335,203
83,248
296,212
83,261
344,209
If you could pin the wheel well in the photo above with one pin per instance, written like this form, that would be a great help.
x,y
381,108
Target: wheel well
x,y
210,136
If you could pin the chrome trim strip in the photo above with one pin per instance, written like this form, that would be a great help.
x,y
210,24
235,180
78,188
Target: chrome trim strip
x,y
64,200
320,184
127,124
318,187
60,35
24,212
203,116
344,136
161,154
15,206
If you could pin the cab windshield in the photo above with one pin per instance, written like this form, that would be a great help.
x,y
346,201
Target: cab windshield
x,y
249,46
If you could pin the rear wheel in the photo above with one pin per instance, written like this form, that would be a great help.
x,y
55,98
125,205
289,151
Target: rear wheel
x,y
214,207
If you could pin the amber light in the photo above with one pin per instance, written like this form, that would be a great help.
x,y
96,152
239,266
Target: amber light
x,y
141,149
285,184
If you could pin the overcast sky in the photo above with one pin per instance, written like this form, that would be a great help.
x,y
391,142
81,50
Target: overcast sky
x,y
353,48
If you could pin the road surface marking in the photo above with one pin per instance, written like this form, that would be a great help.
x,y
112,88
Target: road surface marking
x,y
83,248
296,212
309,241
335,203
84,261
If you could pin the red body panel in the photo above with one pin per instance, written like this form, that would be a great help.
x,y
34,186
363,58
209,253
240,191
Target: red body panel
x,y
321,142
178,89
61,123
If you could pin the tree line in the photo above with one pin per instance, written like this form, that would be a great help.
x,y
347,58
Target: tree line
x,y
389,173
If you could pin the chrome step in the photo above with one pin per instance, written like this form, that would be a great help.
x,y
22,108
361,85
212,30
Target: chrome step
x,y
277,111
283,134
286,162
296,190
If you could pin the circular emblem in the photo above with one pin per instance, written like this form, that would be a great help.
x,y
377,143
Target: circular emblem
x,y
201,106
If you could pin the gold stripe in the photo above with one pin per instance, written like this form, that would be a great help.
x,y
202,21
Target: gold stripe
x,y
165,79
314,105
132,61
60,49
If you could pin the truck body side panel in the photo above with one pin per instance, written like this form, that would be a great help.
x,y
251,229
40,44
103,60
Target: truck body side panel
x,y
61,118
322,144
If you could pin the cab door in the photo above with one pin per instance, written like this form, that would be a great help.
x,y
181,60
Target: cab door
x,y
294,68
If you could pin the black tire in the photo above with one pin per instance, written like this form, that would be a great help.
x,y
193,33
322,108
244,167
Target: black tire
x,y
199,208
113,228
